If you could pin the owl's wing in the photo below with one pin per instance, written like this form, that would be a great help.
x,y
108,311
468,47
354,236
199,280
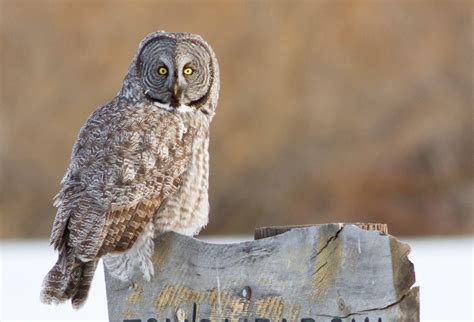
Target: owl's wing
x,y
123,168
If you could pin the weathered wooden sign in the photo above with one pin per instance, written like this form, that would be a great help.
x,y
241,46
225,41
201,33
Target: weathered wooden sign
x,y
330,272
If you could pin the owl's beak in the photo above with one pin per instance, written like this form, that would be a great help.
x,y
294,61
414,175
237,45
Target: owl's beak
x,y
175,89
176,93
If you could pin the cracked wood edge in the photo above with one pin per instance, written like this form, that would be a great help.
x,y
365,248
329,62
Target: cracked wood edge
x,y
269,231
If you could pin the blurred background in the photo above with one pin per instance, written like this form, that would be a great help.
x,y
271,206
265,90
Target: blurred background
x,y
329,111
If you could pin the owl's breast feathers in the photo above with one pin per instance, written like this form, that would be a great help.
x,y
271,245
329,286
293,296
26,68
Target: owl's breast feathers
x,y
126,161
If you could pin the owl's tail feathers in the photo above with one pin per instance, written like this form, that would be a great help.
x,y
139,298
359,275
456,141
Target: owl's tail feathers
x,y
69,278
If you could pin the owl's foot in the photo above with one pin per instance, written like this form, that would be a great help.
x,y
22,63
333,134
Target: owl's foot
x,y
124,266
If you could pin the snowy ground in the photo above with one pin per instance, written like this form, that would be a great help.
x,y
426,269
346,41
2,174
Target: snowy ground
x,y
444,271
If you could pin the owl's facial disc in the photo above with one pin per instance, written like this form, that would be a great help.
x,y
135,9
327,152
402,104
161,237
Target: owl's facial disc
x,y
175,72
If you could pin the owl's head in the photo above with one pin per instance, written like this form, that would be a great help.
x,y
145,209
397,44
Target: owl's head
x,y
176,70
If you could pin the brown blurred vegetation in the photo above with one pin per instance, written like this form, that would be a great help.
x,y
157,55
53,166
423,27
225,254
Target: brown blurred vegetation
x,y
329,111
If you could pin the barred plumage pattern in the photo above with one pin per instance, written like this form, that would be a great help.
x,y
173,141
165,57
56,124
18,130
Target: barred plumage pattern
x,y
139,167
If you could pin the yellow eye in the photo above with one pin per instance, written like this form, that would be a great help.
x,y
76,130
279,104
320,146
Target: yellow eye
x,y
162,70
188,71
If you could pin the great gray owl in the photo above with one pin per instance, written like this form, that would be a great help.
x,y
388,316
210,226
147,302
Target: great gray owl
x,y
139,167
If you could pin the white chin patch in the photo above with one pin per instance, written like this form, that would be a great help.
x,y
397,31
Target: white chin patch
x,y
184,108
166,107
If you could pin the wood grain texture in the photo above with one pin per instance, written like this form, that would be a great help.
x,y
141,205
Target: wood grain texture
x,y
264,232
331,272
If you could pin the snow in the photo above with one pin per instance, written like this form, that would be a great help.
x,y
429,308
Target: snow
x,y
444,270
